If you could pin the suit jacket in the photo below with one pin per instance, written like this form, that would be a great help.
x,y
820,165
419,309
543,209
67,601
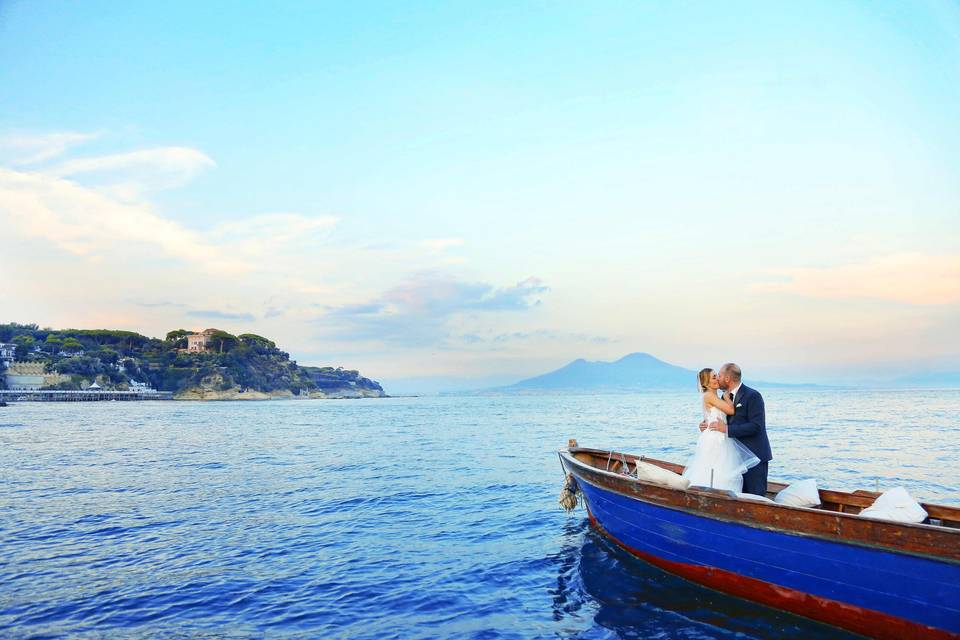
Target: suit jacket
x,y
749,423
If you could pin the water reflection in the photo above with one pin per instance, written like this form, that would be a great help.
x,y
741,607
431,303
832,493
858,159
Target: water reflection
x,y
568,597
629,598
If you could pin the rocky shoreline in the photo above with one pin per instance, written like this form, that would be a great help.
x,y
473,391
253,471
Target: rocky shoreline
x,y
235,393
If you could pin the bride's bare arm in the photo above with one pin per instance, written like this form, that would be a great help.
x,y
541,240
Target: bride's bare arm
x,y
719,403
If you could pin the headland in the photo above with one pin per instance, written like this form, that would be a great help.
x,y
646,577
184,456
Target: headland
x,y
100,364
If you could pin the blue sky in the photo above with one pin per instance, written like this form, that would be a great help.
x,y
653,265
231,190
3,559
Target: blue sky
x,y
482,191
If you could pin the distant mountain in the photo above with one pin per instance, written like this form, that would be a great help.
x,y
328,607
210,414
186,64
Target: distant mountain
x,y
637,370
935,380
633,371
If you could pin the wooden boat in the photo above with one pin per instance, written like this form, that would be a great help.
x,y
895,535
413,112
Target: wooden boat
x,y
878,578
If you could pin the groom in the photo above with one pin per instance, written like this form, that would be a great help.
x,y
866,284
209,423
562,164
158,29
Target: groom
x,y
748,425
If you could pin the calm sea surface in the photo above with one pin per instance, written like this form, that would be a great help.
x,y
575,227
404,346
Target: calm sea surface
x,y
405,517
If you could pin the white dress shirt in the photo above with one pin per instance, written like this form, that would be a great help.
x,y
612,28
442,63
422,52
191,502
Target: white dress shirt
x,y
736,389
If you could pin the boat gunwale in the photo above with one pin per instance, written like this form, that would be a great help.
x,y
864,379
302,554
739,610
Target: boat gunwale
x,y
856,495
677,500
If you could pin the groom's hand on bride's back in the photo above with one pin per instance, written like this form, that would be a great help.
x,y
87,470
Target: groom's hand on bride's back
x,y
713,426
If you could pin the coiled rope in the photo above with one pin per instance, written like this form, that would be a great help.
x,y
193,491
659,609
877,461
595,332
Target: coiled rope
x,y
568,495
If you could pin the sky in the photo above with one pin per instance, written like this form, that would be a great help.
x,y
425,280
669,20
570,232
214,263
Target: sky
x,y
459,194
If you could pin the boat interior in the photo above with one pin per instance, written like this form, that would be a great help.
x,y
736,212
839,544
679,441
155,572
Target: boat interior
x,y
837,501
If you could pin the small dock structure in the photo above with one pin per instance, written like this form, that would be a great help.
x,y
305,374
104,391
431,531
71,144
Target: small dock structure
x,y
88,395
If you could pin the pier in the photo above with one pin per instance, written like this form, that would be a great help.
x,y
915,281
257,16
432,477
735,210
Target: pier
x,y
82,396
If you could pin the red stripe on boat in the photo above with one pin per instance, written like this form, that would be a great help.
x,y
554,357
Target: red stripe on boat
x,y
868,622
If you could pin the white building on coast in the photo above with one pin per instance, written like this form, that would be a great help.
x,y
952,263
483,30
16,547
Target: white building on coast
x,y
8,353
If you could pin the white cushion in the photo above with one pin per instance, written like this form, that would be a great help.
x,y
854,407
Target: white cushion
x,y
753,496
658,475
800,494
897,505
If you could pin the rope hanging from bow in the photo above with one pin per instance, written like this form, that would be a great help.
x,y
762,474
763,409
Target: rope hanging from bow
x,y
568,495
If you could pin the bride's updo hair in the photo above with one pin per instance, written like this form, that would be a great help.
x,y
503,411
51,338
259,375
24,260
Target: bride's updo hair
x,y
704,378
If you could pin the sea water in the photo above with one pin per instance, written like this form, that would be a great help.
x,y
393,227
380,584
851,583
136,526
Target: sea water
x,y
431,517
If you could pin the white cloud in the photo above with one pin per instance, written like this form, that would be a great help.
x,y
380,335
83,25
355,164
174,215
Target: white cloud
x,y
261,234
92,207
93,218
87,223
421,310
911,278
442,244
26,149
129,174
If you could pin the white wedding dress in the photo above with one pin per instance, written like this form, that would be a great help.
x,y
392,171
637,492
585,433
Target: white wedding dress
x,y
725,457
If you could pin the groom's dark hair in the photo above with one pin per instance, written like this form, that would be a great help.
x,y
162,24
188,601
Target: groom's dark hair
x,y
733,370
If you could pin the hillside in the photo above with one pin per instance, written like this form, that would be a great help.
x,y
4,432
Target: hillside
x,y
247,366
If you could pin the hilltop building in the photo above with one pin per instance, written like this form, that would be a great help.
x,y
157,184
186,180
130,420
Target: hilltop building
x,y
197,342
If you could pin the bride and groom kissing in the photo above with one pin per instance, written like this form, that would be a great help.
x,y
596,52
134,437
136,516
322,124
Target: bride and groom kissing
x,y
733,450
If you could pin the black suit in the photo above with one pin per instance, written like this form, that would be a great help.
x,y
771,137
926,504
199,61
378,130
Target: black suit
x,y
749,426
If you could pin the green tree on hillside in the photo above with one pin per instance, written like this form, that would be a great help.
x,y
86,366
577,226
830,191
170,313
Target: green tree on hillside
x,y
53,343
177,339
222,342
127,342
8,331
24,346
252,340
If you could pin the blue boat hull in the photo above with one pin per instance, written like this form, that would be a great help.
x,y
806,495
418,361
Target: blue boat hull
x,y
869,590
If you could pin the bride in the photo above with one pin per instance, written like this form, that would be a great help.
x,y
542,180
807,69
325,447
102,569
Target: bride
x,y
718,461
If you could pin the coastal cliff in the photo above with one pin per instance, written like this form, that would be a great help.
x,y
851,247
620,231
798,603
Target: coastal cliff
x,y
329,383
236,393
209,365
